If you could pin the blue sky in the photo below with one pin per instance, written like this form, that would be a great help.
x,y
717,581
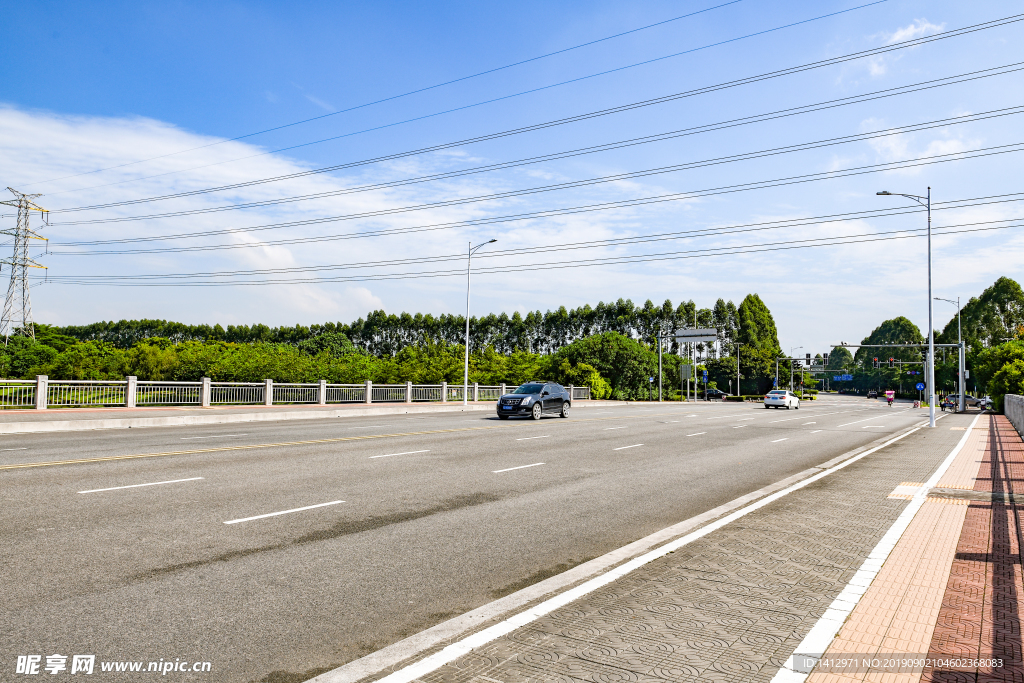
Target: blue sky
x,y
129,87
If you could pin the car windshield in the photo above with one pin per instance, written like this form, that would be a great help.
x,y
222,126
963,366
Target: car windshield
x,y
529,389
778,393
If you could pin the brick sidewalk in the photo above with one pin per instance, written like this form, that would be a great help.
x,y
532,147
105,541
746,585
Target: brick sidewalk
x,y
950,588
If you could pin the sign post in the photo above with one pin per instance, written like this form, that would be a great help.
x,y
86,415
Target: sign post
x,y
694,337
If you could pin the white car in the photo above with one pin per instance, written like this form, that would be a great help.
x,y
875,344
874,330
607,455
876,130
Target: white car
x,y
782,399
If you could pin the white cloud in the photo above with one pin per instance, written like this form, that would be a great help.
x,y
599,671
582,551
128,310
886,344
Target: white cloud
x,y
915,29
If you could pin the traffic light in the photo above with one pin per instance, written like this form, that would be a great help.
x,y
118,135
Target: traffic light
x,y
892,362
824,358
875,361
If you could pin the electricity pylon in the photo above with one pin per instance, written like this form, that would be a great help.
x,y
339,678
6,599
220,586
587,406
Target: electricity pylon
x,y
20,262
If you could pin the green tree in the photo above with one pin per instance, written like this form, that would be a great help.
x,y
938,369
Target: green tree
x,y
624,363
756,326
990,319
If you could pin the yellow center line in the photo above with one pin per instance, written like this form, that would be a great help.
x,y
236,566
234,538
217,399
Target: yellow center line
x,y
221,449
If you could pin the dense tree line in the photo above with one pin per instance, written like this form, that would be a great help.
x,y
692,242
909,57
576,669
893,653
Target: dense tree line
x,y
383,334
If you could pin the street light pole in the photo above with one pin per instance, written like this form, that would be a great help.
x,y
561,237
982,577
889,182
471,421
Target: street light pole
x,y
926,202
961,361
738,345
465,374
791,350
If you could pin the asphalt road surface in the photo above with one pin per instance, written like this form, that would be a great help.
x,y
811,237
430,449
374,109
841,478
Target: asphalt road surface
x,y
290,546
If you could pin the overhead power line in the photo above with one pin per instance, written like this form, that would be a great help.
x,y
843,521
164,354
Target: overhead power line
x,y
587,182
411,92
660,100
647,139
140,281
729,229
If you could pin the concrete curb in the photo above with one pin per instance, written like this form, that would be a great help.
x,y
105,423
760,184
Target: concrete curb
x,y
41,426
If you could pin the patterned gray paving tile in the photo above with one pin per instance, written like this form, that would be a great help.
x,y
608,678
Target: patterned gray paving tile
x,y
730,607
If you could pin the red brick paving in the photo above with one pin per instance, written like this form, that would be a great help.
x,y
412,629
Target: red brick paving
x,y
980,614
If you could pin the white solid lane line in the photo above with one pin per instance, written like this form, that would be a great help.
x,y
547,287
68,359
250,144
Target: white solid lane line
x,y
218,436
521,467
620,448
283,512
607,428
405,453
527,438
135,486
783,439
870,426
697,434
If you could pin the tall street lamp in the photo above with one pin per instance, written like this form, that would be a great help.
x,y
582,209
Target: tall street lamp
x,y
465,374
926,202
961,360
738,345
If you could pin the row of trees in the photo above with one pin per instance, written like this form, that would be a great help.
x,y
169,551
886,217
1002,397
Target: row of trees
x,y
382,334
612,348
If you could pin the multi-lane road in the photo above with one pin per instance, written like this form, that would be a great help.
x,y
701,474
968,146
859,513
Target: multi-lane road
x,y
293,546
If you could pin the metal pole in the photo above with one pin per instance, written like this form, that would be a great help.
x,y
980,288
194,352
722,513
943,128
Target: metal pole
x,y
659,369
960,378
738,392
931,326
465,375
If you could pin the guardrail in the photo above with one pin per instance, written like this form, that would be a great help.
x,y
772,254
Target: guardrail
x,y
1013,408
42,393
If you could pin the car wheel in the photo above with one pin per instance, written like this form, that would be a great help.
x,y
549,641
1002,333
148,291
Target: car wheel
x,y
788,406
798,405
536,412
502,417
565,409
767,407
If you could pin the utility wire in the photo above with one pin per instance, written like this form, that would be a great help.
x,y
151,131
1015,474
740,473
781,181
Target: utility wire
x,y
620,241
711,251
573,246
784,72
647,139
574,184
405,94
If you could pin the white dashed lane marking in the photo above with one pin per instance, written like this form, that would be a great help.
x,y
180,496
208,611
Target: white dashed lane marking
x,y
521,467
391,454
282,512
620,448
135,486
527,438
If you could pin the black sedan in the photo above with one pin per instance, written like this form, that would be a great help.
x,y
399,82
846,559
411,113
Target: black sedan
x,y
535,399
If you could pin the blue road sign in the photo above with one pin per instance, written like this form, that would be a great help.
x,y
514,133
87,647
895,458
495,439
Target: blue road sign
x,y
842,378
705,375
920,386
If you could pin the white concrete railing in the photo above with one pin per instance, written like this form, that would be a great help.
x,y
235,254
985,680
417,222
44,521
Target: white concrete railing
x,y
1013,408
43,393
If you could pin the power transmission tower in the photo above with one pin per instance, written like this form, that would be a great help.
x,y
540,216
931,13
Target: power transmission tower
x,y
20,262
